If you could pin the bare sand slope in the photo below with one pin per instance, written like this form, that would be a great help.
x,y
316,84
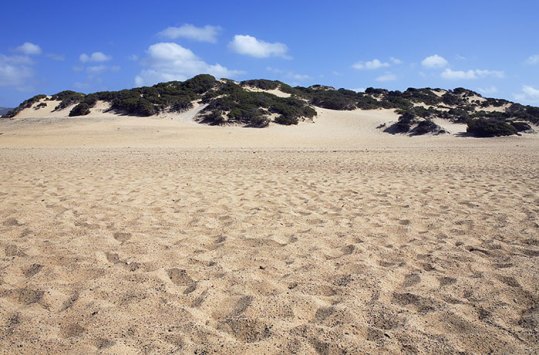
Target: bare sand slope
x,y
388,245
331,129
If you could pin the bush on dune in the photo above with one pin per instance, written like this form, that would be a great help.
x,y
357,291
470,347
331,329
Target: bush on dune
x,y
484,127
231,103
410,124
81,109
67,98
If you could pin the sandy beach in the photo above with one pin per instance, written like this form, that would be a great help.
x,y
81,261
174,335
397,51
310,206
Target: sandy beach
x,y
158,235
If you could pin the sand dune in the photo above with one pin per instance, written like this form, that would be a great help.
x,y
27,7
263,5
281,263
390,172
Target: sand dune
x,y
331,129
130,235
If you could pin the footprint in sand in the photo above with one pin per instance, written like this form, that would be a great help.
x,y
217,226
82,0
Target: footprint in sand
x,y
179,277
508,280
72,330
28,296
122,237
247,330
32,270
411,280
13,250
444,281
11,222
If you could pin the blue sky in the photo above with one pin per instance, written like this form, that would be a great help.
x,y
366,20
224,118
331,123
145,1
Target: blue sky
x,y
488,46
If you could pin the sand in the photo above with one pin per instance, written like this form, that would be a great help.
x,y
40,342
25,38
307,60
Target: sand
x,y
148,235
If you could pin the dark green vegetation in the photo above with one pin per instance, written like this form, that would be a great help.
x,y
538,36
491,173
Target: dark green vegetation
x,y
483,127
248,104
231,103
67,98
414,125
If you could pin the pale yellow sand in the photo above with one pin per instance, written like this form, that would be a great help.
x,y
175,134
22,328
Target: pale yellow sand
x,y
128,235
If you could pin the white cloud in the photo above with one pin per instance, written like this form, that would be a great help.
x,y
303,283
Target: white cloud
x,y
490,90
15,71
371,65
251,46
201,34
299,77
101,68
528,94
289,75
395,61
275,70
168,61
434,61
532,60
386,77
96,57
29,48
450,74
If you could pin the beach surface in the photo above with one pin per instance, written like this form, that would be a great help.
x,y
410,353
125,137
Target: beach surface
x,y
159,235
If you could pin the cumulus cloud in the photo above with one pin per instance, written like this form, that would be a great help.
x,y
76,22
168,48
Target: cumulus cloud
x,y
528,94
434,61
450,74
201,34
251,46
386,77
370,65
167,61
299,77
490,90
101,68
533,60
28,48
289,75
95,57
15,71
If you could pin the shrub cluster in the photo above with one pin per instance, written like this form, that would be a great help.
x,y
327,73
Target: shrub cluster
x,y
80,109
485,127
231,104
262,84
67,98
409,123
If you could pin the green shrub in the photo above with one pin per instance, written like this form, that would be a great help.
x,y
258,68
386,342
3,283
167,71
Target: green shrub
x,y
81,109
520,126
425,96
262,84
181,104
425,127
67,98
403,124
366,102
286,120
451,99
334,99
483,127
